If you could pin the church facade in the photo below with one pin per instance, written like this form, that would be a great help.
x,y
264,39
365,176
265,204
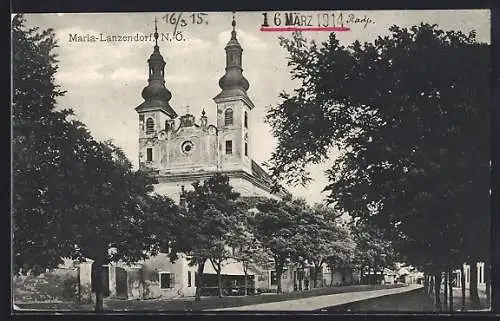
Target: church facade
x,y
184,149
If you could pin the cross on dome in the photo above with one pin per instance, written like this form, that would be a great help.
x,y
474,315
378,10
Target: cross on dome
x,y
156,32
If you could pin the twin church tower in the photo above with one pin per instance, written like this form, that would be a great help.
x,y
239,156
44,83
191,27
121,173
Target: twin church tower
x,y
182,150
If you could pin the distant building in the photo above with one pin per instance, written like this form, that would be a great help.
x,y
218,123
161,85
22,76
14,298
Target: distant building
x,y
481,284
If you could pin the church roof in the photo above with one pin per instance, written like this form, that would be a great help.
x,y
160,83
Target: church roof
x,y
157,105
260,174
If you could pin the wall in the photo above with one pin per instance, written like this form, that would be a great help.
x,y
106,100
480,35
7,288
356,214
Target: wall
x,y
287,280
389,279
60,284
150,275
172,187
263,281
188,290
336,279
232,132
135,289
202,157
150,140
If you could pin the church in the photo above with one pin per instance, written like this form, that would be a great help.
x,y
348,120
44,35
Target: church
x,y
181,150
184,149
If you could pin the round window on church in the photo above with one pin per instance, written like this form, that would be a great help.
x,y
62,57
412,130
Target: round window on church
x,y
187,147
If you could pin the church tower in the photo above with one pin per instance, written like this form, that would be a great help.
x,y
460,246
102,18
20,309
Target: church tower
x,y
155,113
233,111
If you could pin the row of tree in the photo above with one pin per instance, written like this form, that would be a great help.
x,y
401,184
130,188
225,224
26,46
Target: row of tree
x,y
215,225
408,115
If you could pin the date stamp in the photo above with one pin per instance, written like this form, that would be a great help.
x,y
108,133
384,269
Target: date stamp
x,y
181,20
318,21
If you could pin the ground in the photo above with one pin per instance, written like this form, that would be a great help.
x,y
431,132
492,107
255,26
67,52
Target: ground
x,y
409,299
204,304
413,301
457,299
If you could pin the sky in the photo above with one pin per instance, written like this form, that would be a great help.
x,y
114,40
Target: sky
x,y
104,80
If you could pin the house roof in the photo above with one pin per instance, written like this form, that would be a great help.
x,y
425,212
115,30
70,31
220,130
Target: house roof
x,y
232,268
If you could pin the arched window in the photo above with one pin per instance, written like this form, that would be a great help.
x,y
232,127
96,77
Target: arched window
x,y
246,119
228,117
150,126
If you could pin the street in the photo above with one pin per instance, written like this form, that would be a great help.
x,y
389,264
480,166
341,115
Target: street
x,y
319,302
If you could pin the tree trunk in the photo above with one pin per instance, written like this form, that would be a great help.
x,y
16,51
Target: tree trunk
x,y
437,288
98,286
450,287
462,283
426,283
473,294
279,272
199,280
445,291
245,271
316,272
246,284
219,283
431,284
487,281
331,276
278,277
216,263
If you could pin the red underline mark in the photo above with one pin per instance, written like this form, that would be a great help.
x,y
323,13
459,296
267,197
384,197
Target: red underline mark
x,y
288,29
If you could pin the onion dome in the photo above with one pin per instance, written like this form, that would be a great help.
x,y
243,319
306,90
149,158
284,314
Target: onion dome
x,y
156,95
233,78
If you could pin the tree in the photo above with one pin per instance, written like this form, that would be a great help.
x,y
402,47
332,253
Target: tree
x,y
36,164
373,251
248,250
274,226
74,197
210,215
317,236
113,212
341,257
343,253
402,165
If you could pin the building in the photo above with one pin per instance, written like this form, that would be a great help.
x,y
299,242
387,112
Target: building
x,y
182,150
481,283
